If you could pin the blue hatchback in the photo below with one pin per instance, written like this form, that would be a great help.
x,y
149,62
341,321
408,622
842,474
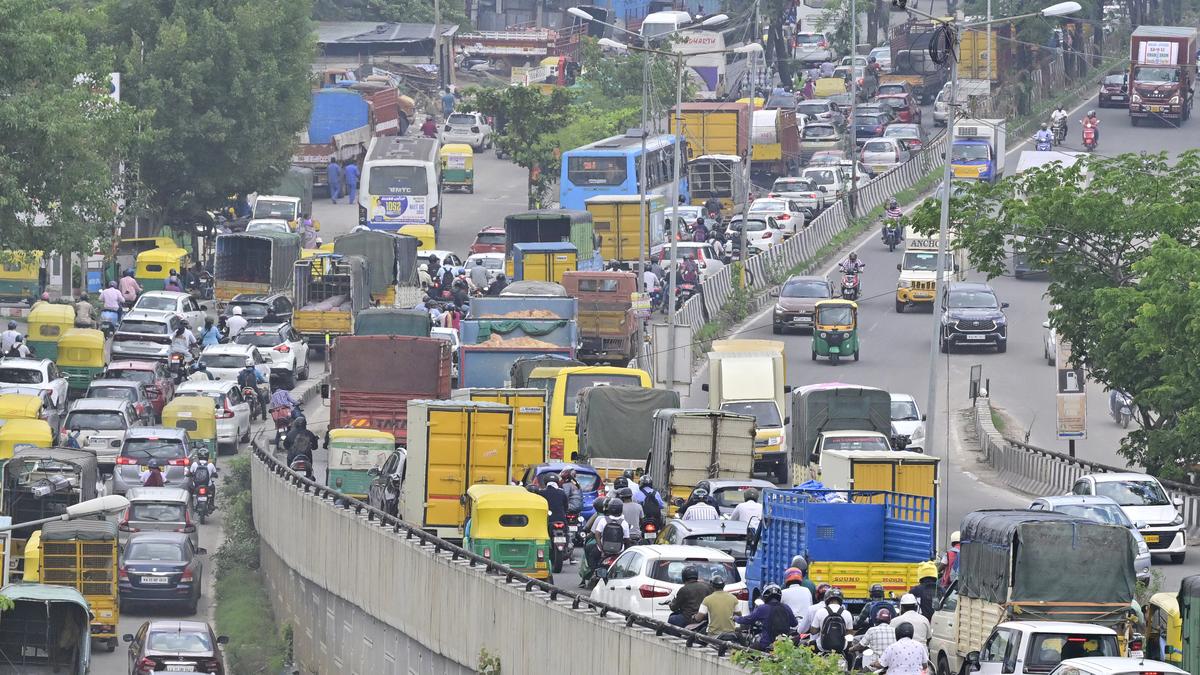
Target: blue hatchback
x,y
588,478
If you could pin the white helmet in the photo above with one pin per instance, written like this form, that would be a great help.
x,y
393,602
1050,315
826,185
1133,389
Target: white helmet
x,y
909,599
237,311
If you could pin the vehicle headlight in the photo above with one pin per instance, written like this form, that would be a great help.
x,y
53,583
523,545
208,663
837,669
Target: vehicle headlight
x,y
779,309
1142,547
1135,98
1178,520
1001,320
918,434
903,283
846,335
824,335
777,440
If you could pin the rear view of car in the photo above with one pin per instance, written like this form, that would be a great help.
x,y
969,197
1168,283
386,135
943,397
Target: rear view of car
x,y
142,444
882,154
160,568
813,48
99,424
144,335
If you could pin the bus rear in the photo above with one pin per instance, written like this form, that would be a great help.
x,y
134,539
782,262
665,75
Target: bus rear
x,y
399,184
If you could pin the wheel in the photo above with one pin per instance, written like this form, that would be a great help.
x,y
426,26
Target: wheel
x,y
557,564
470,189
193,606
203,515
899,307
1177,558
304,371
1125,421
1135,121
943,665
944,346
110,645
289,382
856,351
1002,347
776,329
834,358
245,438
781,474
814,355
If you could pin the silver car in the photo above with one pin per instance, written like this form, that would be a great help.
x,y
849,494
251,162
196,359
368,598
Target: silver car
x,y
145,335
99,426
813,48
1101,510
941,107
158,509
171,447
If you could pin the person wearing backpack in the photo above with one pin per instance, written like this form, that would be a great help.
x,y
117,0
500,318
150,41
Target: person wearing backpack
x,y
831,623
298,442
775,617
608,535
686,603
204,472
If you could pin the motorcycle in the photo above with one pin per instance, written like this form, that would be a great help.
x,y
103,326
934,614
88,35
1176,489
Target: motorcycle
x,y
1059,129
1042,145
178,366
684,291
1122,410
251,396
560,538
282,416
301,464
1089,137
649,530
891,236
850,290
204,497
109,320
573,537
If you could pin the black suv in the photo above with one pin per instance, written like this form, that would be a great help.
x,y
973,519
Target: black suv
x,y
261,307
972,316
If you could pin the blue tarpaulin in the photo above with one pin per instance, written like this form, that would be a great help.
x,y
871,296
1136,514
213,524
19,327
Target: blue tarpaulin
x,y
335,111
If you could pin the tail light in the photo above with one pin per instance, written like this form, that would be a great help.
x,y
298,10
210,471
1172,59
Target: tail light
x,y
487,552
226,412
122,574
742,594
556,448
203,490
182,461
783,216
652,591
1135,645
283,348
126,461
649,528
188,527
187,575
824,43
145,666
208,665
433,215
766,235
897,151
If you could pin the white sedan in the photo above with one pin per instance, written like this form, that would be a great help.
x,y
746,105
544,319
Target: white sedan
x,y
787,212
703,253
492,262
907,420
644,579
182,305
281,348
268,225
41,374
762,232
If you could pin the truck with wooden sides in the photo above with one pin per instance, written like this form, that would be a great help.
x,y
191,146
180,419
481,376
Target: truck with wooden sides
x,y
911,61
391,264
254,262
750,377
855,538
1162,73
328,291
499,330
373,377
692,444
552,226
776,145
618,221
82,555
608,325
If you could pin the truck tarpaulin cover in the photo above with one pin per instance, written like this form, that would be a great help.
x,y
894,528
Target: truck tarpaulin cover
x,y
617,422
1046,543
335,111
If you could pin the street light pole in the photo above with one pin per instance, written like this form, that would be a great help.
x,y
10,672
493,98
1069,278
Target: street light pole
x,y
742,256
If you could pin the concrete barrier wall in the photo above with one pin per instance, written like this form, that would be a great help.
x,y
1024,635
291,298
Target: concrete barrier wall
x,y
367,599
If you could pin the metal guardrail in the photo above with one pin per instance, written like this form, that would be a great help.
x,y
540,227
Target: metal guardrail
x,y
511,576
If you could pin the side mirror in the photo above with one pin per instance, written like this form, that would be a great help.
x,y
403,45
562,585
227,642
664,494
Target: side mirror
x,y
898,267
1177,501
222,639
955,267
1003,305
373,472
924,417
787,388
774,294
128,637
822,188
1046,324
704,387
201,551
462,499
787,420
1140,525
972,660
325,391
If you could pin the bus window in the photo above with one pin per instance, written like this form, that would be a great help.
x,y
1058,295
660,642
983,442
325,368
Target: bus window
x,y
399,180
597,170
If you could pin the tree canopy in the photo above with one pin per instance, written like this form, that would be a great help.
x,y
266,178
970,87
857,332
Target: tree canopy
x,y
1120,237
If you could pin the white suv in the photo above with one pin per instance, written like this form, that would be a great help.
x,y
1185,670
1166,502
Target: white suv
x,y
281,347
644,578
468,127
1153,512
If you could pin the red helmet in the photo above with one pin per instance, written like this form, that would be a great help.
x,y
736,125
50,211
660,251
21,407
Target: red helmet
x,y
792,575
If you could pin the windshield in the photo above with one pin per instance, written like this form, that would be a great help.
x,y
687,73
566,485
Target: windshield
x,y
274,208
398,180
837,315
461,119
878,146
671,571
20,376
127,393
1133,492
970,152
809,39
885,89
904,411
751,225
856,443
250,309
98,420
768,205
821,176
176,642
1114,80
156,513
578,381
1156,75
972,300
819,131
146,376
224,360
1047,650
1109,514
597,170
146,327
587,482
145,449
794,185
924,261
258,339
156,302
805,289
732,543
765,414
813,108
489,263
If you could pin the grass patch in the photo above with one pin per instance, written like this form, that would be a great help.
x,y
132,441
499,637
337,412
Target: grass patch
x,y
998,421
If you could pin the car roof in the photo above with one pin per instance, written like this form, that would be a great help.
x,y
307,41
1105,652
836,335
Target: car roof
x,y
164,294
902,397
263,328
1060,627
486,254
805,277
20,362
254,297
847,433
157,494
98,404
683,552
178,624
1081,500
711,526
205,386
561,466
228,348
1121,664
113,382
970,286
157,536
493,229
132,364
1114,477
159,432
159,315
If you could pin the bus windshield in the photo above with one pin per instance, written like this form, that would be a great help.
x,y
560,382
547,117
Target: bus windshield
x,y
597,170
398,180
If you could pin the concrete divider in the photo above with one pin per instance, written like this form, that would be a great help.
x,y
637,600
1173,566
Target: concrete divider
x,y
367,594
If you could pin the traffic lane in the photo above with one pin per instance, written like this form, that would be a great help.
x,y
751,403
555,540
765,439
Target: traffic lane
x,y
499,190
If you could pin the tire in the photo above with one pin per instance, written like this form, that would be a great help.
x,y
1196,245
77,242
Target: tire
x,y
856,351
203,515
110,645
193,606
943,346
943,665
776,329
289,382
1178,558
303,375
1135,121
557,565
244,439
899,307
814,355
1002,347
1125,421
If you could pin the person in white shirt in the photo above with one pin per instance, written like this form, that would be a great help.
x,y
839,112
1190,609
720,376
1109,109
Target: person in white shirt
x,y
833,606
749,509
701,511
906,656
910,612
795,595
9,338
649,280
236,323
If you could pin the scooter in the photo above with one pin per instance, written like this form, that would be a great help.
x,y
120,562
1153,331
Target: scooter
x,y
560,538
109,320
178,366
649,530
1042,145
850,289
1089,137
573,538
1122,412
684,291
251,396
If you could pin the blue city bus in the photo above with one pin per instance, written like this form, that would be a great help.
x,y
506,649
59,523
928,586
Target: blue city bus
x,y
612,167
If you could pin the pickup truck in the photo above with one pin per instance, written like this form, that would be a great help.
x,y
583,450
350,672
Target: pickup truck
x,y
1016,647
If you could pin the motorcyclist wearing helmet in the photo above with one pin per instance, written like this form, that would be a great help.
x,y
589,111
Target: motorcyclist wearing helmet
x,y
1043,135
652,503
300,442
775,617
926,591
719,608
555,497
613,511
570,487
699,507
9,338
875,602
1059,118
880,635
686,603
893,211
630,510
250,377
749,510
1094,122
200,373
907,655
204,472
910,612
852,265
152,476
833,605
801,563
950,563
795,594
689,271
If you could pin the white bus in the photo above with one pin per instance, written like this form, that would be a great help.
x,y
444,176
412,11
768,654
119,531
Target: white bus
x,y
400,184
706,70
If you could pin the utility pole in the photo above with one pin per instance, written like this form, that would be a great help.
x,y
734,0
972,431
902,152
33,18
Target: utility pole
x,y
674,198
643,216
443,76
742,256
853,101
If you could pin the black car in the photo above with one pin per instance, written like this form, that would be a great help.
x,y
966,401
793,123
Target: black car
x,y
384,491
175,646
1114,91
973,317
870,126
160,568
261,307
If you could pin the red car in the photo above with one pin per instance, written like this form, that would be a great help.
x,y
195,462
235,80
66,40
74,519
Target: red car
x,y
154,374
903,106
489,240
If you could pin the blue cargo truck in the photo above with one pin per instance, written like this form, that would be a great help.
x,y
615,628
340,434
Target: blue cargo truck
x,y
501,330
852,539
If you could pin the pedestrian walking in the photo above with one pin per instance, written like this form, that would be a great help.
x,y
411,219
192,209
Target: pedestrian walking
x,y
351,181
334,173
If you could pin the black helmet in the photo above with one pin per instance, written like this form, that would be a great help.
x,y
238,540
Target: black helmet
x,y
625,494
853,255
699,494
202,454
690,573
717,582
904,630
614,508
646,481
834,593
301,423
12,325
772,593
551,478
628,473
750,495
153,463
876,591
620,482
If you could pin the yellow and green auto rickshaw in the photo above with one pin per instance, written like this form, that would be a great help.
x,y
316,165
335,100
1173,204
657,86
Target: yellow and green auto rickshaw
x,y
1164,628
155,265
198,416
48,322
507,524
23,433
81,357
352,455
457,161
835,330
20,276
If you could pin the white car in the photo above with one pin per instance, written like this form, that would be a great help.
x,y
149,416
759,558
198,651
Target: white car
x,y
182,305
233,410
907,420
102,423
762,232
789,213
1115,665
1154,513
817,109
225,361
883,56
703,253
687,215
860,61
40,374
644,578
442,256
492,262
1049,343
803,191
281,347
830,178
881,154
468,127
268,225
449,335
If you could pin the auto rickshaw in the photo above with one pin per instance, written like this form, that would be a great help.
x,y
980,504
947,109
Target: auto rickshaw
x,y
155,265
198,416
1164,628
507,524
48,322
23,433
20,407
835,330
20,276
423,233
81,358
457,161
352,454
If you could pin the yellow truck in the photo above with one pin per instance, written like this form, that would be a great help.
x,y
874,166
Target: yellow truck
x,y
750,377
452,445
713,128
617,221
529,422
330,289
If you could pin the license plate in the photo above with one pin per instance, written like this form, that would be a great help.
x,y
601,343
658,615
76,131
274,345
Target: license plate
x,y
1156,108
143,468
162,581
180,668
201,499
803,319
560,539
1118,98
976,337
1150,538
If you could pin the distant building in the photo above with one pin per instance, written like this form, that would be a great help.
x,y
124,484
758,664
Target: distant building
x,y
348,44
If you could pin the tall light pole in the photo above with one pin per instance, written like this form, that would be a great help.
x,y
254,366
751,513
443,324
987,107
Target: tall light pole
x,y
742,256
677,168
1060,9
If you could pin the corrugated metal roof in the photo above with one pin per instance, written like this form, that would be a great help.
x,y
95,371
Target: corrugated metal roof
x,y
375,31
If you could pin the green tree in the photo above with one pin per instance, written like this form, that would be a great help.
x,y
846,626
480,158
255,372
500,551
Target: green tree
x,y
785,658
1114,232
225,85
613,81
61,136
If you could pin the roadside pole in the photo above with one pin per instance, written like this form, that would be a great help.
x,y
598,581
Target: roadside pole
x,y
742,255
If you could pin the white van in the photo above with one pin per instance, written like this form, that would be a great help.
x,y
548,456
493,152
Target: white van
x,y
658,24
